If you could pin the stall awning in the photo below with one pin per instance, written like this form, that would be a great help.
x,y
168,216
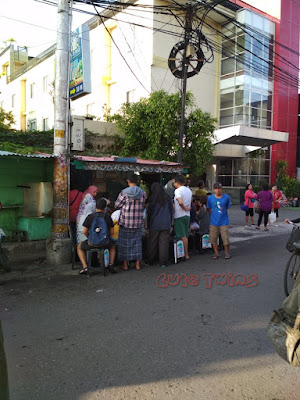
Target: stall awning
x,y
126,164
249,136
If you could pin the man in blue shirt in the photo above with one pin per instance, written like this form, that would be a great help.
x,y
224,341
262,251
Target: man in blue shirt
x,y
217,204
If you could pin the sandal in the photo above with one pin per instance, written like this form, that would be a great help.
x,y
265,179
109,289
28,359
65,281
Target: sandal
x,y
83,271
227,256
215,257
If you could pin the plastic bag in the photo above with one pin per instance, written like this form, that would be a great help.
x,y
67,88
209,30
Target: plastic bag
x,y
272,217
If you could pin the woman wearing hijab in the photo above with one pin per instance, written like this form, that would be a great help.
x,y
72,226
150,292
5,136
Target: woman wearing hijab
x,y
87,206
159,223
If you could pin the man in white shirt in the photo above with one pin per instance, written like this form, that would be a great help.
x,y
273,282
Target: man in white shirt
x,y
182,201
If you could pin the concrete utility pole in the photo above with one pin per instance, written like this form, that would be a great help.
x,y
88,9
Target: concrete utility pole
x,y
59,246
185,64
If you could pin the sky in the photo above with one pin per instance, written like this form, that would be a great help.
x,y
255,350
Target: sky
x,y
33,24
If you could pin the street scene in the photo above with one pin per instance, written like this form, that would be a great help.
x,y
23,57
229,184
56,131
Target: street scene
x,y
124,337
149,200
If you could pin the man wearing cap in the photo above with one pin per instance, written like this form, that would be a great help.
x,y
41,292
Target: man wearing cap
x,y
217,204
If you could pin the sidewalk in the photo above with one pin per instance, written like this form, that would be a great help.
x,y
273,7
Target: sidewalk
x,y
25,270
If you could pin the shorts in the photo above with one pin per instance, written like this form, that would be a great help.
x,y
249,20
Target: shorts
x,y
181,226
249,212
215,231
85,245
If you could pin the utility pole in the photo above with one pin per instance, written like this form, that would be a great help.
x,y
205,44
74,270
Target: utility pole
x,y
59,246
185,64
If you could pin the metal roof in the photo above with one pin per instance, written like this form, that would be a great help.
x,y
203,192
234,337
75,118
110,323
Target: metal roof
x,y
37,155
128,160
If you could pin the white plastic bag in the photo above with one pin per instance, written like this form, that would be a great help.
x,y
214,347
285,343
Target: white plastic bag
x,y
272,217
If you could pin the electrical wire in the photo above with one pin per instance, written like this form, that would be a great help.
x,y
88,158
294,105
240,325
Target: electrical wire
x,y
113,40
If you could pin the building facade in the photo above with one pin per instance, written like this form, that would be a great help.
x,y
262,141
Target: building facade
x,y
251,86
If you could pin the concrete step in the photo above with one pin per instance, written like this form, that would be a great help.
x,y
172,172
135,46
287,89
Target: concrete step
x,y
25,251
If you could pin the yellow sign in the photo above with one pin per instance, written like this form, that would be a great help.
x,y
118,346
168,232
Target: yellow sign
x,y
60,134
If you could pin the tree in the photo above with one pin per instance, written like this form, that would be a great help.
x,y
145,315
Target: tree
x,y
151,129
6,119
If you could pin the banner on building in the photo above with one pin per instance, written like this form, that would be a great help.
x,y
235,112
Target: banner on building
x,y
80,69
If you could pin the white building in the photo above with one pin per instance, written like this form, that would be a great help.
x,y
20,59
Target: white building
x,y
129,60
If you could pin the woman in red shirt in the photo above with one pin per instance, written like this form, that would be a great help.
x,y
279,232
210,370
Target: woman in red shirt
x,y
250,198
277,196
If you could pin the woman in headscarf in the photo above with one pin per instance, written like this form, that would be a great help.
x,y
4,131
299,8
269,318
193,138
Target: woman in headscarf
x,y
87,206
159,223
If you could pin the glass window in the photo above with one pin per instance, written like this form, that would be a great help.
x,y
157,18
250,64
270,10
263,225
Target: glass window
x,y
254,117
228,48
240,181
255,99
225,167
227,66
226,100
240,166
229,30
239,97
225,180
239,116
226,117
254,166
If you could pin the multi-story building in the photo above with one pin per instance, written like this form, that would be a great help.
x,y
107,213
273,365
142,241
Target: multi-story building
x,y
251,86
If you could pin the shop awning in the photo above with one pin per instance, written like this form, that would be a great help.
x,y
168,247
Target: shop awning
x,y
126,164
249,136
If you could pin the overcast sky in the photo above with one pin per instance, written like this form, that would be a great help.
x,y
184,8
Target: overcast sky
x,y
33,24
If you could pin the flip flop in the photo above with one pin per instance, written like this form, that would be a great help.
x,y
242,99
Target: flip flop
x,y
227,256
215,257
83,271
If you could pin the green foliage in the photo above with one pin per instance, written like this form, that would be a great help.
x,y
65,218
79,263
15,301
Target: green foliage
x,y
151,129
281,172
290,186
26,142
6,119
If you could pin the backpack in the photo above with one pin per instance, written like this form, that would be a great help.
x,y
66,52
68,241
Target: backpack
x,y
98,233
284,327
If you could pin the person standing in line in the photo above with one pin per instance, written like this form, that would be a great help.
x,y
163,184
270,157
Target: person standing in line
x,y
159,224
265,199
131,202
201,189
87,206
250,198
217,204
182,203
277,197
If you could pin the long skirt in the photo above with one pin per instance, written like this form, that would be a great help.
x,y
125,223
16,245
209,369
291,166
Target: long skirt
x,y
129,244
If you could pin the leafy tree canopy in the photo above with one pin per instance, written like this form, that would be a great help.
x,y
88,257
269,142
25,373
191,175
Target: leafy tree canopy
x,y
6,119
151,128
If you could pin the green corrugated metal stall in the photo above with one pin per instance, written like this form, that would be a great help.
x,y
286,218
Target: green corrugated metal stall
x,y
15,171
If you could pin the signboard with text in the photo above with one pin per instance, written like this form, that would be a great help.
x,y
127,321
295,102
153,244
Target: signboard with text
x,y
80,71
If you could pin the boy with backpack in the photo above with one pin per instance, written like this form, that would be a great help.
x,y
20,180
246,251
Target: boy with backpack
x,y
98,228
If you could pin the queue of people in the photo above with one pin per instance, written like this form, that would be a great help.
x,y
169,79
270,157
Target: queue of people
x,y
121,225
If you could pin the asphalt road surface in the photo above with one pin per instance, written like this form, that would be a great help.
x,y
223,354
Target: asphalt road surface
x,y
70,337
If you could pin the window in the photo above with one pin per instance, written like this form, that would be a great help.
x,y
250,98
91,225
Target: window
x,y
239,171
13,100
32,125
130,96
32,90
246,88
45,84
45,124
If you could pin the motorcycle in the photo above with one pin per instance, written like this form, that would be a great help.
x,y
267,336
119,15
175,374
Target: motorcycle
x,y
4,260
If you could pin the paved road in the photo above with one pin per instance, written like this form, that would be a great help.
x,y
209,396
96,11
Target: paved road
x,y
70,337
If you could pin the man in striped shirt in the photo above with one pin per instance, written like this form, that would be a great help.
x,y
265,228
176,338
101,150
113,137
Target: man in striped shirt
x,y
131,202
